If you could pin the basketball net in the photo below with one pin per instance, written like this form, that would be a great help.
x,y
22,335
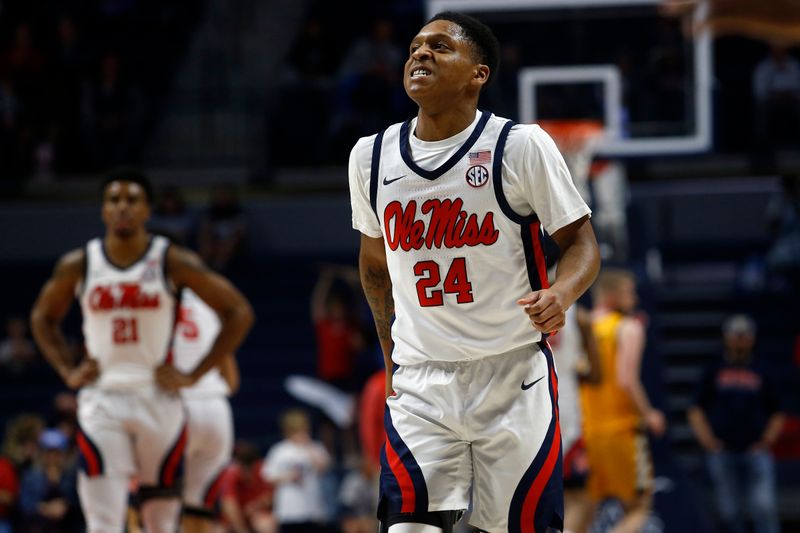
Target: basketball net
x,y
577,140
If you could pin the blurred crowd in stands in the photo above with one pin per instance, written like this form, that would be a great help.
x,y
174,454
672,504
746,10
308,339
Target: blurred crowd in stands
x,y
81,83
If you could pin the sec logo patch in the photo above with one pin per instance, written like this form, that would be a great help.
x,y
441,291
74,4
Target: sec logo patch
x,y
477,176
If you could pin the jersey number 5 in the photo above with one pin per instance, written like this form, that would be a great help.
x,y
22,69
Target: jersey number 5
x,y
455,282
126,330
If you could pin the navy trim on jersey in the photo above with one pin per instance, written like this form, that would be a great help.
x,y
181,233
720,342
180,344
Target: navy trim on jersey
x,y
405,150
497,179
373,173
169,355
548,504
165,273
534,276
82,288
122,268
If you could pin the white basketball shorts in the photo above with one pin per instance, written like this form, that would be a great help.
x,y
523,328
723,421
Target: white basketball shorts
x,y
208,452
141,433
486,429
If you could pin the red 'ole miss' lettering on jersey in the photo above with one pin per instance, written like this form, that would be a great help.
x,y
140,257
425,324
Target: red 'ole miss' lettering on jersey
x,y
449,226
121,296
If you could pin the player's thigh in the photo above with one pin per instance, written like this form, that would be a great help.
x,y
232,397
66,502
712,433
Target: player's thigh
x,y
426,462
517,455
208,452
104,444
161,436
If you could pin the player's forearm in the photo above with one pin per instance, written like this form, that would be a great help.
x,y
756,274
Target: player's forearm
x,y
578,265
378,290
639,396
773,429
233,513
51,343
699,424
235,324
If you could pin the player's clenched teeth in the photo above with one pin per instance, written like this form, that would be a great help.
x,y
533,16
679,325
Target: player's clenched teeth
x,y
420,72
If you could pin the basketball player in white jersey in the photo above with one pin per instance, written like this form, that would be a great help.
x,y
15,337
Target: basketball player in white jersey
x,y
210,424
131,419
577,361
451,206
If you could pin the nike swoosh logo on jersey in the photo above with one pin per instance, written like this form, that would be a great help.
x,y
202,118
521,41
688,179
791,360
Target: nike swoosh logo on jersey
x,y
531,384
387,181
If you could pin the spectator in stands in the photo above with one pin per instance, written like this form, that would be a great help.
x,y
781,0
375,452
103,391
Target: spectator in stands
x,y
246,496
366,95
358,497
737,417
296,465
304,96
171,216
223,229
783,219
336,324
111,112
17,351
370,418
68,63
339,339
64,416
21,444
776,87
9,493
48,491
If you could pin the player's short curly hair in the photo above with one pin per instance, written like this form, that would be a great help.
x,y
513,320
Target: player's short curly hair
x,y
483,39
133,175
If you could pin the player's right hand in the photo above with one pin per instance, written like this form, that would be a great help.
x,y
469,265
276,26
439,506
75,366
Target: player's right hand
x,y
171,379
83,374
656,422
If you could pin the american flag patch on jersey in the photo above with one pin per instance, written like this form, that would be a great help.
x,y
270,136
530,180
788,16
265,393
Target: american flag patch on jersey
x,y
480,158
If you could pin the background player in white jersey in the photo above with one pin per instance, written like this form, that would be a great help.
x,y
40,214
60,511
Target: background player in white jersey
x,y
451,206
210,442
577,360
131,419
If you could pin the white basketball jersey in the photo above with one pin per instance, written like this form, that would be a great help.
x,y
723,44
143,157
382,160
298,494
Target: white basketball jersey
x,y
458,256
195,332
568,351
128,315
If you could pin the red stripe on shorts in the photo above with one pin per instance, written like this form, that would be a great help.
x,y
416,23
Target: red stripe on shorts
x,y
168,476
535,492
400,472
213,491
89,455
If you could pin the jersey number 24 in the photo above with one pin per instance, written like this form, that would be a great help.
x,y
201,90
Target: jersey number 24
x,y
455,282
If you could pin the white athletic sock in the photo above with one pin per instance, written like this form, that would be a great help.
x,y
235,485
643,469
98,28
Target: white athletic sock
x,y
414,528
161,515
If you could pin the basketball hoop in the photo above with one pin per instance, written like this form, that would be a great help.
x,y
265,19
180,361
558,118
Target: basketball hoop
x,y
577,140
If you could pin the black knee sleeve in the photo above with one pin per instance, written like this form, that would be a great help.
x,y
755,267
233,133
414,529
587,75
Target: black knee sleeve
x,y
442,519
148,492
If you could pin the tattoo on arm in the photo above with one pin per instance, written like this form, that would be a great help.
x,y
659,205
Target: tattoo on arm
x,y
378,289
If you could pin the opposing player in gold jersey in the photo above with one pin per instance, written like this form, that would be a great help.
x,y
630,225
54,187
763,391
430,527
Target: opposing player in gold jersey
x,y
617,411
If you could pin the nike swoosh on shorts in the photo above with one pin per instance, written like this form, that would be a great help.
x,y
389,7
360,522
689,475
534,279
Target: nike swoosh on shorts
x,y
531,384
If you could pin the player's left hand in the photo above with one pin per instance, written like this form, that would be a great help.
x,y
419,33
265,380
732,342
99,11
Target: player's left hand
x,y
171,379
545,309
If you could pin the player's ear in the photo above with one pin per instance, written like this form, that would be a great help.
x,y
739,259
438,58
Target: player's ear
x,y
481,74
